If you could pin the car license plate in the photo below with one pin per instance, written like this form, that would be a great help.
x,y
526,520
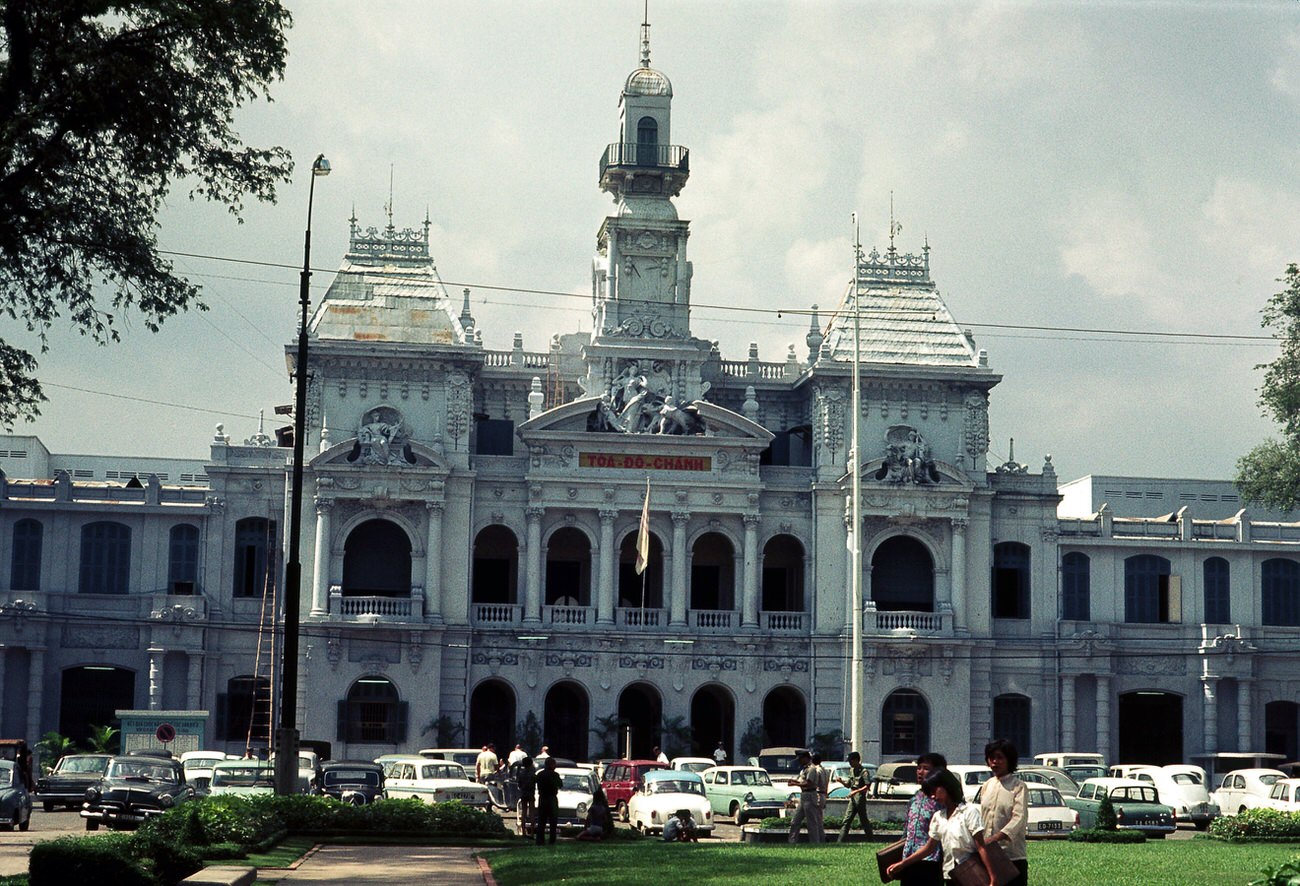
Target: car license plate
x,y
1049,825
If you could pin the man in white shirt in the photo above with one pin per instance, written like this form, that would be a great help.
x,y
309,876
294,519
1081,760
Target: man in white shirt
x,y
487,762
720,755
516,755
660,755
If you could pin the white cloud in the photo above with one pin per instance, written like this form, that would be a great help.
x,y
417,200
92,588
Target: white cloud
x,y
1107,241
1247,222
1286,72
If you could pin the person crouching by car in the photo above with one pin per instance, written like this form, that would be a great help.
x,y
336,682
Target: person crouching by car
x,y
600,823
680,828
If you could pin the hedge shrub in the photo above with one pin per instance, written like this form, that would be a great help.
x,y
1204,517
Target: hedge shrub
x,y
1100,835
1255,823
120,859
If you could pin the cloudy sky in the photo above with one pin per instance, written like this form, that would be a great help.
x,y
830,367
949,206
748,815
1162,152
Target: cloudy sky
x,y
1107,166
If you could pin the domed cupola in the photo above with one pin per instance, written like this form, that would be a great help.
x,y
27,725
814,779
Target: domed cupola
x,y
645,80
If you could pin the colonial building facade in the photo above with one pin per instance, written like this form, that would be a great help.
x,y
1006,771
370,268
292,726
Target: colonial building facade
x,y
470,556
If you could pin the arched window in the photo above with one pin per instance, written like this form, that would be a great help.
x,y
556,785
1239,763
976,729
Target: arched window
x,y
25,566
1280,583
105,558
713,573
377,561
904,724
1011,720
1076,581
1218,608
783,567
1149,595
496,566
254,540
1010,580
243,711
183,559
568,568
902,576
372,713
647,142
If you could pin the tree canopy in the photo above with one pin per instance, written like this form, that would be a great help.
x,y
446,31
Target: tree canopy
x,y
1270,473
103,107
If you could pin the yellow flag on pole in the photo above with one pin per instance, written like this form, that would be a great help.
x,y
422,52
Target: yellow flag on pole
x,y
643,533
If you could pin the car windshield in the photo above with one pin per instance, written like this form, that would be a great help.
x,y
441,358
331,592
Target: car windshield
x,y
339,777
140,769
699,766
442,770
1268,779
673,786
81,764
1045,797
751,778
6,776
1080,773
576,783
1134,794
782,763
201,763
1185,778
243,777
978,776
306,762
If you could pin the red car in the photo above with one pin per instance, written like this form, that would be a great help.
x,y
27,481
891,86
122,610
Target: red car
x,y
621,780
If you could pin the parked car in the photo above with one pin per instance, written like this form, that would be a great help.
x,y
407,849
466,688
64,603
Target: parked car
x,y
15,801
1196,772
1218,765
1245,789
433,781
464,756
744,792
1056,778
308,770
972,778
1285,795
577,788
1137,806
662,793
843,770
1060,760
894,781
1181,792
692,764
67,783
244,777
622,778
1049,815
780,763
198,767
135,787
353,781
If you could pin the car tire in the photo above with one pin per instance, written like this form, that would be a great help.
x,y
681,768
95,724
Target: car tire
x,y
734,811
27,822
92,825
48,807
1201,825
620,809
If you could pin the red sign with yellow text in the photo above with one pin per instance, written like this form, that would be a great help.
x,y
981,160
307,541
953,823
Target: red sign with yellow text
x,y
631,462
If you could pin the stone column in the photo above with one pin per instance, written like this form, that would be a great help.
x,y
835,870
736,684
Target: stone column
x,y
433,563
320,587
606,593
959,575
155,676
194,681
749,610
35,689
533,572
1067,711
681,559
1210,716
1244,742
1103,717
9,728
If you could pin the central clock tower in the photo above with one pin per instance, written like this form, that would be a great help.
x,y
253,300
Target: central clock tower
x,y
641,279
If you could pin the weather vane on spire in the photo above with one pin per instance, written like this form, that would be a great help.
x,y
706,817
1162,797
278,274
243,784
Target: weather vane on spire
x,y
645,37
895,228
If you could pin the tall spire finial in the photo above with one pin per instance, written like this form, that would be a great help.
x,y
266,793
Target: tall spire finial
x,y
894,227
388,207
645,37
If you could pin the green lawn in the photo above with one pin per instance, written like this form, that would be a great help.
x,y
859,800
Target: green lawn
x,y
1155,863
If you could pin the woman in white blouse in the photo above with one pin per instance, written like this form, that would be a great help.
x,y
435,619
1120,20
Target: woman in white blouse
x,y
957,827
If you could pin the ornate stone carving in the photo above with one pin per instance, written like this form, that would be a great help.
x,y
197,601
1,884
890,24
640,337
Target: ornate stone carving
x,y
334,650
382,439
100,637
458,405
1090,642
830,411
907,458
415,654
638,402
975,431
1151,664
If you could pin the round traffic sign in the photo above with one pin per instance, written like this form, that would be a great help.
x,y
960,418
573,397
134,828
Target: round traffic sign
x,y
165,732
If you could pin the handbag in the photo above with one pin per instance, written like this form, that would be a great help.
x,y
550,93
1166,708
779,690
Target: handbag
x,y
891,854
971,871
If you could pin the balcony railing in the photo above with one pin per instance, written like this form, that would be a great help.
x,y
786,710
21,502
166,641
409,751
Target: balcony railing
x,y
377,608
567,615
712,620
497,613
785,622
641,619
645,156
918,622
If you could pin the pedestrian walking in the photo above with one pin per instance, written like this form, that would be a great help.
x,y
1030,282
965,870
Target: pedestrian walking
x,y
486,763
858,781
720,755
548,800
809,810
1004,802
526,777
957,828
928,869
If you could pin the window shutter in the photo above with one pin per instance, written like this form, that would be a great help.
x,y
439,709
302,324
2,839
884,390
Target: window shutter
x,y
399,721
341,734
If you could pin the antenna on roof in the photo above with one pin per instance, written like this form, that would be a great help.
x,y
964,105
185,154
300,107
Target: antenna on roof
x,y
388,207
645,37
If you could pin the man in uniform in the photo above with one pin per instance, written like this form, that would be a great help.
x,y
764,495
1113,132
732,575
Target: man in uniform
x,y
858,781
809,782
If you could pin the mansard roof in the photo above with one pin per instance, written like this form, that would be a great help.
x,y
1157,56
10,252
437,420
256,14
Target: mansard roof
x,y
903,318
388,290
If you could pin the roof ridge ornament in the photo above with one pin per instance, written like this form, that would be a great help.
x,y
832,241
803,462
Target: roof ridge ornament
x,y
645,36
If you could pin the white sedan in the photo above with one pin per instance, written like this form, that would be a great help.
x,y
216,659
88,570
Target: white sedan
x,y
662,793
433,781
1048,814
1285,795
1245,789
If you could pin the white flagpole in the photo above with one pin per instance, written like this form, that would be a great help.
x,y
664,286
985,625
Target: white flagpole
x,y
855,529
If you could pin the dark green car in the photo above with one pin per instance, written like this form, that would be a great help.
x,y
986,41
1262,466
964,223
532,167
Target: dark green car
x,y
1137,806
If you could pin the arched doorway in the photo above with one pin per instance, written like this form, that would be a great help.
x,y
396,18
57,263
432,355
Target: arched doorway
x,y
565,721
713,573
568,569
905,724
1280,719
641,708
377,561
647,141
373,713
91,696
783,557
496,566
1139,742
630,585
785,718
902,576
492,715
713,720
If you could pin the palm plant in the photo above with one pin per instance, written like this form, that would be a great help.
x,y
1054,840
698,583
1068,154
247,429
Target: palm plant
x,y
52,747
103,739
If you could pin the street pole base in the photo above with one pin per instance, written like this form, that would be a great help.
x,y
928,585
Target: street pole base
x,y
286,762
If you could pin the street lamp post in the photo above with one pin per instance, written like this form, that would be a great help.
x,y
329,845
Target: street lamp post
x,y
286,735
856,700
